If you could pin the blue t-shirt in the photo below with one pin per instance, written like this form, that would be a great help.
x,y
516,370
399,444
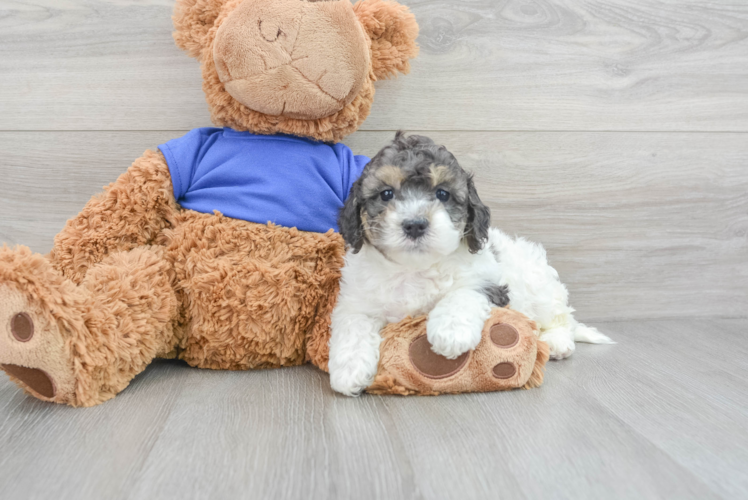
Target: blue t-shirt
x,y
286,180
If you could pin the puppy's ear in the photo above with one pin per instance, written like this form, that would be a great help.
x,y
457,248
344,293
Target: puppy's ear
x,y
349,221
393,31
479,219
193,19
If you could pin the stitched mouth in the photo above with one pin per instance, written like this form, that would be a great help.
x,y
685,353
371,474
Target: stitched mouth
x,y
269,73
285,91
317,84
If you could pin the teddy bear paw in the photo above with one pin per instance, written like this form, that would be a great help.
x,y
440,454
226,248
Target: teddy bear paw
x,y
32,350
503,336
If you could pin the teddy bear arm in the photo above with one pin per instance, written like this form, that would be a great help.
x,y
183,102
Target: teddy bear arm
x,y
131,212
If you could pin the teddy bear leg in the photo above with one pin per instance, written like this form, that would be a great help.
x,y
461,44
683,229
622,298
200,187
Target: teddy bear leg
x,y
509,356
132,212
82,344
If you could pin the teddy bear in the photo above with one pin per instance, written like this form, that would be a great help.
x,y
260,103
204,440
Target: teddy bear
x,y
220,248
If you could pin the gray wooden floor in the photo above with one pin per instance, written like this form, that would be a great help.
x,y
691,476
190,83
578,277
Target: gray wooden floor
x,y
662,414
615,132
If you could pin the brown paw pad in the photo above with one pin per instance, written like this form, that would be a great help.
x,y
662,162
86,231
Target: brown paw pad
x,y
36,379
432,365
504,335
504,370
22,327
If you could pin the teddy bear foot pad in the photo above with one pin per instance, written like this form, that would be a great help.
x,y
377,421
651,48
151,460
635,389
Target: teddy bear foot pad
x,y
31,347
509,356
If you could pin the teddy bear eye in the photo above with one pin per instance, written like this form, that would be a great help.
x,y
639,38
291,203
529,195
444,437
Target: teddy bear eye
x,y
387,195
442,195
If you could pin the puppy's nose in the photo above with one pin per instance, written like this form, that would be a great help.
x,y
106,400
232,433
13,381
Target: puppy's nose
x,y
415,228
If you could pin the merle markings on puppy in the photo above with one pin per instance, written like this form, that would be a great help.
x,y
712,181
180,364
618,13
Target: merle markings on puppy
x,y
420,242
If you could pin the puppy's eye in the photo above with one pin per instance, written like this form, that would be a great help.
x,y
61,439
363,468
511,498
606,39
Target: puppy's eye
x,y
442,195
387,195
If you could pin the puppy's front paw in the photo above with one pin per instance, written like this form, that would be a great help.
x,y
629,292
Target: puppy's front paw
x,y
560,343
452,334
351,379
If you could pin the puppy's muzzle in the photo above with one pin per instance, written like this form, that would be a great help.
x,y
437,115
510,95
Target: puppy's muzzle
x,y
415,228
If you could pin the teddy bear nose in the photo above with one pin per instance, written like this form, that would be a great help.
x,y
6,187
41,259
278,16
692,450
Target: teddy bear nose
x,y
270,30
415,228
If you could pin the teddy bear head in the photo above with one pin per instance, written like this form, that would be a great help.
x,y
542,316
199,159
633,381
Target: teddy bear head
x,y
299,67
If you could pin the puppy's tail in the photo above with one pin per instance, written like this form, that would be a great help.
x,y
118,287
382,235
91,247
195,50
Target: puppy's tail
x,y
590,335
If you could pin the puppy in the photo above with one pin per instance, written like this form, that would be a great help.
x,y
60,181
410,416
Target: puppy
x,y
420,242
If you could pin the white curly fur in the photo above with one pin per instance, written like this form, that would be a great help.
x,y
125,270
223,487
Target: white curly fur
x,y
446,285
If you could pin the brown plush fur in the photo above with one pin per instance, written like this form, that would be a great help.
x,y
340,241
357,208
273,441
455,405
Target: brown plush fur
x,y
303,60
131,212
538,370
111,326
217,292
255,291
393,30
133,276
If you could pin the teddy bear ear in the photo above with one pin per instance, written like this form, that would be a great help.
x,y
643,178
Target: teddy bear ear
x,y
393,31
193,19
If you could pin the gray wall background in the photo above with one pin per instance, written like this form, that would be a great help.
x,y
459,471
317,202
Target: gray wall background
x,y
614,132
